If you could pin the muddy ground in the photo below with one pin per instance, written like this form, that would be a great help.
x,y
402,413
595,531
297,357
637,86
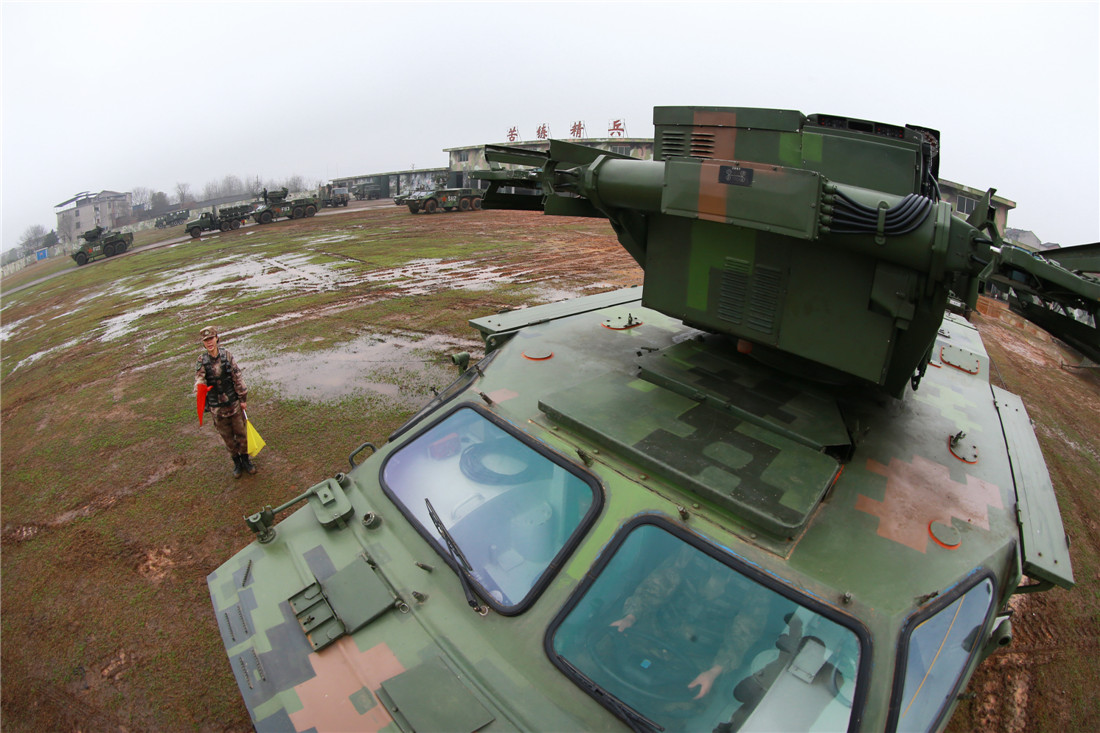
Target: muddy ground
x,y
116,504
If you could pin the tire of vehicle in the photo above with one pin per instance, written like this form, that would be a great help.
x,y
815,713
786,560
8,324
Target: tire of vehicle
x,y
81,259
476,203
430,206
195,232
265,218
223,227
109,250
311,210
464,204
413,208
236,224
298,213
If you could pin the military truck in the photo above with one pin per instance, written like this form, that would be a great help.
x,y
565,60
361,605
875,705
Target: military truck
x,y
367,191
100,242
774,489
443,199
333,196
171,220
225,219
276,206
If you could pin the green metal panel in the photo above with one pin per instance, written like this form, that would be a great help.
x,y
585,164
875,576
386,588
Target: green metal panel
x,y
764,197
431,697
501,323
755,473
1045,545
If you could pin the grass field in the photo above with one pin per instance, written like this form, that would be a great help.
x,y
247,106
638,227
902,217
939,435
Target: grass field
x,y
116,504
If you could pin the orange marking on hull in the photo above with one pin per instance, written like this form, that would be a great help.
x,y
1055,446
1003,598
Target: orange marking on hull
x,y
923,492
712,194
502,394
944,545
341,671
723,126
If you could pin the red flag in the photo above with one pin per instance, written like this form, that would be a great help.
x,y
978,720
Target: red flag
x,y
201,402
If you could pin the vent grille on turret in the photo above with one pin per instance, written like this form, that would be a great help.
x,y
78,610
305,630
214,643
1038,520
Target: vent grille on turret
x,y
678,144
750,296
765,301
735,291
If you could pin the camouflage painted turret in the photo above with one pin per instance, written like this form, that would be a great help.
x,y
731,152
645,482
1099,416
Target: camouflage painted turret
x,y
807,245
773,489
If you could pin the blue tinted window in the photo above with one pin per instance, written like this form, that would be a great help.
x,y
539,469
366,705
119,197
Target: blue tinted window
x,y
687,642
511,508
938,650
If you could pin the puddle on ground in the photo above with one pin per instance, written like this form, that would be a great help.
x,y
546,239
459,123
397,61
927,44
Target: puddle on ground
x,y
401,368
288,276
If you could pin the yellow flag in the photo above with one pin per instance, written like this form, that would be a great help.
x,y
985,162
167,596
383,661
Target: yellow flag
x,y
255,442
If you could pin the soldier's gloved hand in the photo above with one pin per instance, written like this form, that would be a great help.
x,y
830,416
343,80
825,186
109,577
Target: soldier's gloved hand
x,y
705,681
624,623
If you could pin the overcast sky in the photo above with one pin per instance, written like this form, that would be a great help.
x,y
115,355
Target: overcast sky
x,y
114,96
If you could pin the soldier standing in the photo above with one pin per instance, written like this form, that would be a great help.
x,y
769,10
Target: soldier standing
x,y
226,399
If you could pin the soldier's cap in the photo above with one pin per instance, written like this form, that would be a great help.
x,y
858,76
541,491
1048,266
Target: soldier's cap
x,y
208,333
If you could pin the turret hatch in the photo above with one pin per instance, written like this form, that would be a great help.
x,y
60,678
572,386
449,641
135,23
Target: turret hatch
x,y
719,426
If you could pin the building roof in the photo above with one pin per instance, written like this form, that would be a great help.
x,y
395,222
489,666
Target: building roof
x,y
89,196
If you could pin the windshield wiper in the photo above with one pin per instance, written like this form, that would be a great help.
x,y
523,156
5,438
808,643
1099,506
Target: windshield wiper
x,y
464,567
637,722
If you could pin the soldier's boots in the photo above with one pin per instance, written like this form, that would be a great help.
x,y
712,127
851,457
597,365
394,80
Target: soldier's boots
x,y
247,464
237,467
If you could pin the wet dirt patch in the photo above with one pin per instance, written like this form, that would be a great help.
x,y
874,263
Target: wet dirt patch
x,y
102,502
408,361
157,564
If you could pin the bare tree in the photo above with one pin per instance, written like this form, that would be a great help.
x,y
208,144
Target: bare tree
x,y
31,237
254,184
211,190
295,183
183,193
140,195
66,228
231,185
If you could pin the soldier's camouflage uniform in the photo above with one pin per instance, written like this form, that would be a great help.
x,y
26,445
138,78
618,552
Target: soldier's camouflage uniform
x,y
705,609
225,407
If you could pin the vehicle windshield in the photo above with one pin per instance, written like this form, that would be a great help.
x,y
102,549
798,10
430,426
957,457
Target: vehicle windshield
x,y
512,507
689,643
938,650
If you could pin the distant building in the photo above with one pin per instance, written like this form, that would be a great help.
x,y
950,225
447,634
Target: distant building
x,y
87,210
964,200
471,158
462,161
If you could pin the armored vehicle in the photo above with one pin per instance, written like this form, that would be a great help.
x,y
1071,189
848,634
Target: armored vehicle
x,y
771,490
1058,290
444,199
100,242
171,220
333,196
225,219
276,206
367,191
